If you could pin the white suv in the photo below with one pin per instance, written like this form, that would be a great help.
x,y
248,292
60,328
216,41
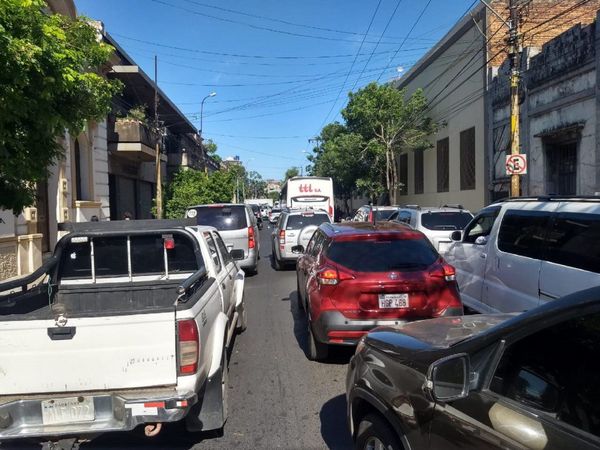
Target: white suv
x,y
435,223
295,227
521,253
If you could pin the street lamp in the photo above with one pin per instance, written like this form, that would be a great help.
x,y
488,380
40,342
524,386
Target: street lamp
x,y
212,94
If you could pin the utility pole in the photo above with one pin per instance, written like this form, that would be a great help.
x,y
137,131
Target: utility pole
x,y
158,138
514,55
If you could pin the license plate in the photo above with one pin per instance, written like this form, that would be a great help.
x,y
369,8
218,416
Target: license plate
x,y
68,410
393,300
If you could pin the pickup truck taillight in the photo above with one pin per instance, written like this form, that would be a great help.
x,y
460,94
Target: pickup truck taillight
x,y
251,241
188,346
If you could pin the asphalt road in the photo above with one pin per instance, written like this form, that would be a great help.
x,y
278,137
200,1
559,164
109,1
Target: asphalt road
x,y
277,397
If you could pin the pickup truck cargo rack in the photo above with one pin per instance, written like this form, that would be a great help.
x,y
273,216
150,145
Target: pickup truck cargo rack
x,y
125,225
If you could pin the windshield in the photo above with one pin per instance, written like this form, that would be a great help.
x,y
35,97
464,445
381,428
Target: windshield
x,y
445,220
297,222
383,255
384,214
222,217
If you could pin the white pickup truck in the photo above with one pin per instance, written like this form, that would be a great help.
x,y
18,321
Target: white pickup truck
x,y
130,324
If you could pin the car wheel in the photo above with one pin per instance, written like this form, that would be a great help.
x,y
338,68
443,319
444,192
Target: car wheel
x,y
375,434
276,262
317,351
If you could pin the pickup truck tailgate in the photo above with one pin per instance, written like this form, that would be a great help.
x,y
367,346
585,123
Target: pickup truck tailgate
x,y
90,353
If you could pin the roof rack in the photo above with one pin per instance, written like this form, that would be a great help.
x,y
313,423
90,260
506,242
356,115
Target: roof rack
x,y
412,206
126,225
453,206
551,198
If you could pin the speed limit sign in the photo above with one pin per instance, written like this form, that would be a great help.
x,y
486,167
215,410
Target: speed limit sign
x,y
516,164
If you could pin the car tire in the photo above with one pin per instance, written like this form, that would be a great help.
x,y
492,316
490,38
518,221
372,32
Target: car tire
x,y
242,321
317,351
276,262
373,431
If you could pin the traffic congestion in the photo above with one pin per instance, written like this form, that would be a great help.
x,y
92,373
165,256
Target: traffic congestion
x,y
442,347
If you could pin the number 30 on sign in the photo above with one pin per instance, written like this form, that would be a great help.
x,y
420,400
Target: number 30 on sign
x,y
516,164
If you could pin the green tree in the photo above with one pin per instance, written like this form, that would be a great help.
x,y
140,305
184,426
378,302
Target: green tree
x,y
194,187
290,173
48,83
256,187
211,150
390,124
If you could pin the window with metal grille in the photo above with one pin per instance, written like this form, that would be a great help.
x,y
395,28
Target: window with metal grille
x,y
467,159
403,174
561,168
443,165
419,168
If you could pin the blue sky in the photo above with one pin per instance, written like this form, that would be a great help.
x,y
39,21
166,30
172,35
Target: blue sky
x,y
277,66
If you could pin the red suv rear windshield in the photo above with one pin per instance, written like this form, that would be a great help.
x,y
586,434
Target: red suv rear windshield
x,y
384,255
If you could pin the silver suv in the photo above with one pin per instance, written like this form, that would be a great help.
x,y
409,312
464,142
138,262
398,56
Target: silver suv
x,y
295,227
237,226
437,223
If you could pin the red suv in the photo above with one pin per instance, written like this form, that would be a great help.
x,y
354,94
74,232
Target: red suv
x,y
356,276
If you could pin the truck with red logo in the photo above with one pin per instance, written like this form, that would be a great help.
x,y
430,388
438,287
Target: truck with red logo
x,y
127,324
308,193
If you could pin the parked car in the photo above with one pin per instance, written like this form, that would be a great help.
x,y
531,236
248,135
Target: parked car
x,y
238,227
435,223
274,215
295,227
355,276
503,381
518,254
369,213
130,325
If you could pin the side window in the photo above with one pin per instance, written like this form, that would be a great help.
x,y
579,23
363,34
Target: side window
x,y
480,226
318,241
212,248
523,232
574,240
404,216
555,371
394,216
223,248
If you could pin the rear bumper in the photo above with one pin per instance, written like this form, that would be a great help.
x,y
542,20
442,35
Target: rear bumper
x,y
332,327
112,412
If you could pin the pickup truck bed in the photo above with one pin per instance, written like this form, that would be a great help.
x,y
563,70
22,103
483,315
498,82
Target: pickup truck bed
x,y
82,354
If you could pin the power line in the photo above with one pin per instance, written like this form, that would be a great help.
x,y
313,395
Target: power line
x,y
353,62
409,33
260,27
377,45
255,16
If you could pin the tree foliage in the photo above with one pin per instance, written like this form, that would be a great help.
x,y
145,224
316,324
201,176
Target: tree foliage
x,y
360,155
211,150
256,187
48,83
291,173
194,187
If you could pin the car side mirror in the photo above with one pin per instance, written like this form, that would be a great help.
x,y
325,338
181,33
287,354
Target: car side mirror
x,y
481,240
456,236
237,254
298,249
448,378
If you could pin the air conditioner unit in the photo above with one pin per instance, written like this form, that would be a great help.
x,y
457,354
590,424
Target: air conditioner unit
x,y
65,214
30,214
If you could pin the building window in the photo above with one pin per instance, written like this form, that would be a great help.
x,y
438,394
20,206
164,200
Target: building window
x,y
561,168
467,159
78,187
403,174
419,169
443,165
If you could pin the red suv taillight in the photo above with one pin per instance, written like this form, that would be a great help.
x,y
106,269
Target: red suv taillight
x,y
188,346
251,241
444,270
331,276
